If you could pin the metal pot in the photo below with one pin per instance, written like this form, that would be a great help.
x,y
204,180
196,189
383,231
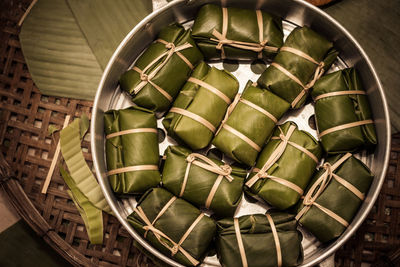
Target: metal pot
x,y
294,12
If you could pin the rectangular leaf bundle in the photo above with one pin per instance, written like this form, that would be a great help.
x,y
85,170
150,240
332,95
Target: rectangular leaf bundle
x,y
301,61
237,33
202,181
162,69
285,166
131,150
173,226
342,112
259,241
334,196
201,106
249,121
186,95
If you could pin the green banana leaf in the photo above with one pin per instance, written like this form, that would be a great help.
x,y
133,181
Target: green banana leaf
x,y
170,77
338,110
242,26
106,23
250,122
174,223
91,215
309,42
204,103
132,149
336,198
293,166
200,182
258,241
184,98
64,47
70,145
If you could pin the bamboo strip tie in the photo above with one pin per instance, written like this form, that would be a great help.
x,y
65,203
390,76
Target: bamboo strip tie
x,y
228,112
147,78
131,131
233,131
276,240
275,156
54,161
240,242
340,93
256,47
284,182
345,126
223,171
194,117
320,185
133,169
319,71
158,234
210,88
26,13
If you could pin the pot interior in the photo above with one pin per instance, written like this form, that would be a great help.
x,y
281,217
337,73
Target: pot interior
x,y
294,13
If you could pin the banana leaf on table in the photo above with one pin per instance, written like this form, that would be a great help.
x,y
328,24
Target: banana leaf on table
x,y
173,226
201,106
343,114
301,60
202,181
160,72
334,196
65,49
284,167
254,233
250,34
250,120
132,150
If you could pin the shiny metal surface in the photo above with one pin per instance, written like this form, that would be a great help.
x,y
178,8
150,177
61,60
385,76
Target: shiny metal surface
x,y
295,13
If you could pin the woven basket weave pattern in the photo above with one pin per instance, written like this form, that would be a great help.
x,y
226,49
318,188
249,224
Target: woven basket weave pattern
x,y
24,119
25,115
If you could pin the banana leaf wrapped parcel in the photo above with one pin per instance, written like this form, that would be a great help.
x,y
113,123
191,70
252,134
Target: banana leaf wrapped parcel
x,y
160,72
203,181
259,240
248,123
132,150
285,166
342,111
185,96
301,61
201,106
334,196
237,33
173,226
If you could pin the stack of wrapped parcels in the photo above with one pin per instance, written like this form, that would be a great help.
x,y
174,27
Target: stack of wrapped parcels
x,y
189,198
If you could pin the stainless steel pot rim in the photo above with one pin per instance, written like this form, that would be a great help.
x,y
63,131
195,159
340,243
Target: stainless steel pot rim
x,y
331,248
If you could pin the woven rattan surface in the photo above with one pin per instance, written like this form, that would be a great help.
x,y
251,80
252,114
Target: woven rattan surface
x,y
25,115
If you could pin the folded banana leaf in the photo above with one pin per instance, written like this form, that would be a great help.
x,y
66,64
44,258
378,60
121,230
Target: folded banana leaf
x,y
160,72
343,114
251,119
334,196
185,96
255,234
284,167
201,106
301,61
131,150
173,226
237,33
202,181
